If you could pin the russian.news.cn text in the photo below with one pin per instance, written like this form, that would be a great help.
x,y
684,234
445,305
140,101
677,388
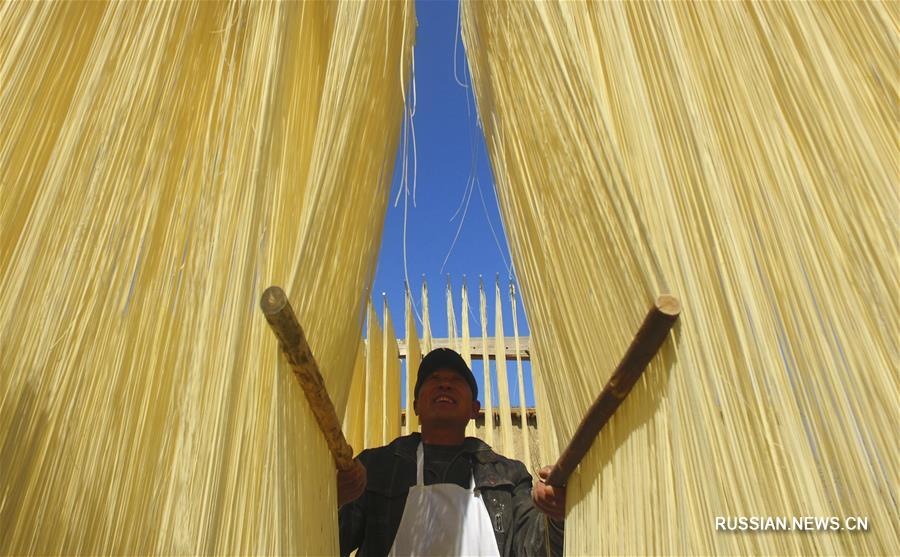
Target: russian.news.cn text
x,y
791,524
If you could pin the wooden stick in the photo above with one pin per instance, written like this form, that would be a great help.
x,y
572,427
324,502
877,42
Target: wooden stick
x,y
646,344
280,315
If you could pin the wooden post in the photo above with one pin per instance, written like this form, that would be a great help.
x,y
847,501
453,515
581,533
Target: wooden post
x,y
280,315
646,344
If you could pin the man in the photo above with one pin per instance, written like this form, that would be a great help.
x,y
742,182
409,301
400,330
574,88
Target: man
x,y
442,493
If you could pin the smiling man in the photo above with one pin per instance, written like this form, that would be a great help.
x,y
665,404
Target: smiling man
x,y
442,493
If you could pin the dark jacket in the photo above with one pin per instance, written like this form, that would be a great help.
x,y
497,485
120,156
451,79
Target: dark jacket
x,y
371,521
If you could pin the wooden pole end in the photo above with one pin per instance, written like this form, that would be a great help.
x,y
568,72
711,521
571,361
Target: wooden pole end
x,y
669,305
273,300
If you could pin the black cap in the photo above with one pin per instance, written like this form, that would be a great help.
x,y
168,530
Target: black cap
x,y
444,358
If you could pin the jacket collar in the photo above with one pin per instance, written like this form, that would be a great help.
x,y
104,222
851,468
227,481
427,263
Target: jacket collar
x,y
405,447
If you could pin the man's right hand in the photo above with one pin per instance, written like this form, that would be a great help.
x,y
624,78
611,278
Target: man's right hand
x,y
351,483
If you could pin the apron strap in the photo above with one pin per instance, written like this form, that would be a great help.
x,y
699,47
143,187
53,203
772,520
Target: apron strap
x,y
420,470
420,466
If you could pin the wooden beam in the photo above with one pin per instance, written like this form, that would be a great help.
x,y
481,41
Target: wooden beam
x,y
283,321
514,412
647,342
475,347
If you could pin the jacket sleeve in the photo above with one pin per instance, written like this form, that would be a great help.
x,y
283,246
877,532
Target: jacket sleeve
x,y
534,534
352,520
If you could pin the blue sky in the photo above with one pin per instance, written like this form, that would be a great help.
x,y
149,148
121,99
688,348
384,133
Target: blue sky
x,y
450,160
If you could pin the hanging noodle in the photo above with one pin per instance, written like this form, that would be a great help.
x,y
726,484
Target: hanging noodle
x,y
354,422
487,396
391,367
375,404
466,345
413,358
506,427
372,414
743,157
426,320
465,339
452,335
523,417
161,163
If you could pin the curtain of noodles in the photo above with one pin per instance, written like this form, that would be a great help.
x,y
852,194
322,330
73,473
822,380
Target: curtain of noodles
x,y
743,157
374,380
487,396
466,345
426,320
413,358
391,394
354,423
506,427
160,165
452,336
523,417
547,445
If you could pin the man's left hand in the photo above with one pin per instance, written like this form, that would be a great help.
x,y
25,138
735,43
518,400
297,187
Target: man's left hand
x,y
549,500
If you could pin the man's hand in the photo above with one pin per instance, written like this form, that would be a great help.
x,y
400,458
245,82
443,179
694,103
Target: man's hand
x,y
351,483
549,500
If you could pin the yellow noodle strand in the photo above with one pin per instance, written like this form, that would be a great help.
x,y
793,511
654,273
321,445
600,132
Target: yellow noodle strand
x,y
487,396
465,345
506,427
354,422
523,417
743,156
426,320
413,359
160,165
375,402
391,366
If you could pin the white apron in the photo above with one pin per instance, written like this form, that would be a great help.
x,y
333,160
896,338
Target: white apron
x,y
443,519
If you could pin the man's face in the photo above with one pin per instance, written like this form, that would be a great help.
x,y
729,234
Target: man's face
x,y
445,399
